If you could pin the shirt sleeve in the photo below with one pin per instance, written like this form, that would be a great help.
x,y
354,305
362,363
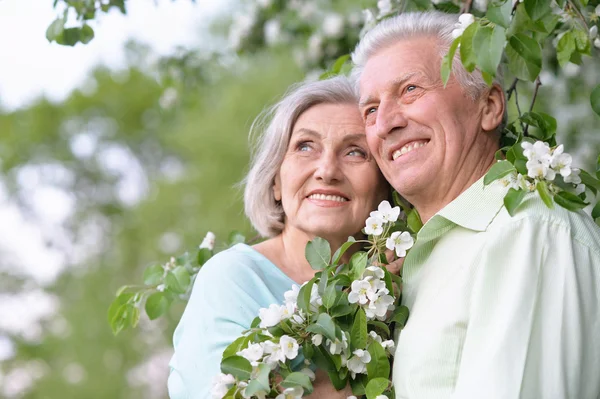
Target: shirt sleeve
x,y
223,303
534,326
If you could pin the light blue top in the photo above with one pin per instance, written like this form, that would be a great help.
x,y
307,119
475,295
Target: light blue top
x,y
228,292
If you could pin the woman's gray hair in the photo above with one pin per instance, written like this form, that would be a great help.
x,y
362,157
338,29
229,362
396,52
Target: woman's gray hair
x,y
419,24
272,130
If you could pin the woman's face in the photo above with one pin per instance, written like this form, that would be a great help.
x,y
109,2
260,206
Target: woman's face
x,y
328,181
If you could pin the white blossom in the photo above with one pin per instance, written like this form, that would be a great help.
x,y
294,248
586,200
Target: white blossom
x,y
209,241
358,363
253,353
561,161
386,213
374,226
351,397
264,3
291,393
272,32
597,10
308,372
381,397
270,316
315,46
361,291
538,170
573,177
221,385
333,25
336,347
289,346
384,7
593,32
580,188
274,353
291,296
374,271
597,42
287,310
463,23
400,242
379,306
481,5
317,339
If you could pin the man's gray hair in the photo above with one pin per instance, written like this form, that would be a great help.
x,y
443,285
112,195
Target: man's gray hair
x,y
414,25
272,131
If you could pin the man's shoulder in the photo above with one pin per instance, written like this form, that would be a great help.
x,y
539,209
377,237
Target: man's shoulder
x,y
533,211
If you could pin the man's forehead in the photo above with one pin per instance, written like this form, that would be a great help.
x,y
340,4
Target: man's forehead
x,y
389,84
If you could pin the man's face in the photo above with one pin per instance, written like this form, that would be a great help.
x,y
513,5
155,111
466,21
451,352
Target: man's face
x,y
419,132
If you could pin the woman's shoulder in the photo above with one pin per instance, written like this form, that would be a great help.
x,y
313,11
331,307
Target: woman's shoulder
x,y
239,260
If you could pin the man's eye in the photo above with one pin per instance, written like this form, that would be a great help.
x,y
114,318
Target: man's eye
x,y
369,111
410,88
357,152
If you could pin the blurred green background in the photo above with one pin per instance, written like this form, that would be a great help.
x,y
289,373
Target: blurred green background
x,y
140,163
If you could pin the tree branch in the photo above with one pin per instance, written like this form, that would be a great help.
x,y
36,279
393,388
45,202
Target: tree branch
x,y
538,83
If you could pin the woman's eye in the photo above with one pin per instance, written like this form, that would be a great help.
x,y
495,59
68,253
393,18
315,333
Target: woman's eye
x,y
303,146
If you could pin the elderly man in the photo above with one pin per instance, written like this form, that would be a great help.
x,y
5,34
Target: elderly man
x,y
501,307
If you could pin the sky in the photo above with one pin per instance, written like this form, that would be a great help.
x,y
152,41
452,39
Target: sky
x,y
31,67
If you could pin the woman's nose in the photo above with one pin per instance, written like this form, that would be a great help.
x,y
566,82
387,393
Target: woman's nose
x,y
328,168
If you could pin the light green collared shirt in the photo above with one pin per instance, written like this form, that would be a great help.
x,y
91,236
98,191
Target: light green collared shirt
x,y
501,307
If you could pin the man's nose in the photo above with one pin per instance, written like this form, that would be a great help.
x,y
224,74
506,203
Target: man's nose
x,y
390,116
328,168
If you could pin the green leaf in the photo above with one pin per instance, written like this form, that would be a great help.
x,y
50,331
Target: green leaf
x,y
339,63
498,171
55,29
69,37
546,124
447,61
513,199
488,45
236,346
500,14
524,57
86,34
341,251
414,221
261,382
358,264
117,312
237,366
358,384
342,310
156,305
379,366
400,316
565,48
298,379
304,296
337,382
323,360
204,254
595,100
582,41
537,9
324,326
359,333
542,189
330,296
318,253
590,181
596,211
172,284
183,277
380,325
153,275
467,52
376,387
569,201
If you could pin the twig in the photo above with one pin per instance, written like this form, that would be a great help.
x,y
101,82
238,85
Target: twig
x,y
513,89
466,6
538,83
573,5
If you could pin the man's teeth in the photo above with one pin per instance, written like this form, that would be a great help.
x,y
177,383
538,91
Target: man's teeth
x,y
408,148
327,197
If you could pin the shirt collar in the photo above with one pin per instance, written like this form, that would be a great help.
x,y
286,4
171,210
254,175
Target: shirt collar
x,y
477,206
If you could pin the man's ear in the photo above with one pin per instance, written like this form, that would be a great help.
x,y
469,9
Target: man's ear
x,y
493,108
277,188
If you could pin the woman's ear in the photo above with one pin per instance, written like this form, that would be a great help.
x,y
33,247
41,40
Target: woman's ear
x,y
277,188
493,109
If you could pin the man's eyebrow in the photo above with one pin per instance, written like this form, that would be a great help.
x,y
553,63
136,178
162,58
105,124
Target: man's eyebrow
x,y
394,84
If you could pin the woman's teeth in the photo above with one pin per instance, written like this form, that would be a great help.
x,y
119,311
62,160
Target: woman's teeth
x,y
327,197
408,148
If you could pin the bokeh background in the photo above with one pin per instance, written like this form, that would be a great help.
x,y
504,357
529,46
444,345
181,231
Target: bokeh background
x,y
127,150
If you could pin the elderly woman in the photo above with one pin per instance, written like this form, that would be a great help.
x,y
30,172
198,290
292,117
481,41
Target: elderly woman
x,y
311,175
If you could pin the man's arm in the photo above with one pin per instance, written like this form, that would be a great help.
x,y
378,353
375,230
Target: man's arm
x,y
534,324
